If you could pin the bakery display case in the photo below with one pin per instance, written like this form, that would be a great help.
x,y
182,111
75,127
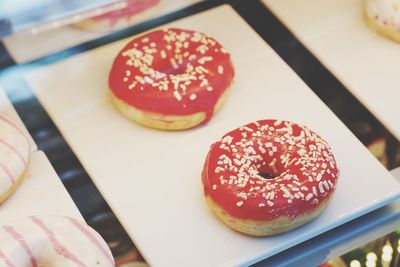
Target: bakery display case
x,y
71,27
141,188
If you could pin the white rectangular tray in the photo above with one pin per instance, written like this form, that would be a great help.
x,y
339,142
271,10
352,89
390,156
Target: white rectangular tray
x,y
7,108
366,62
152,179
41,193
23,47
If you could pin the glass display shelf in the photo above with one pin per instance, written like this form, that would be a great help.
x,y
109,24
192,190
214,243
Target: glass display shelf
x,y
24,16
38,17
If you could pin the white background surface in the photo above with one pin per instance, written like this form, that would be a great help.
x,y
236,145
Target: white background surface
x,y
152,179
366,62
28,47
41,193
7,109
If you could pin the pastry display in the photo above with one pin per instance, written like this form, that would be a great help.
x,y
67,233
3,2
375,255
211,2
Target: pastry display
x,y
14,156
171,79
52,241
120,127
269,177
384,16
134,11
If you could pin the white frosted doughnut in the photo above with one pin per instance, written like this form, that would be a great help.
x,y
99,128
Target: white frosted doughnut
x,y
14,156
52,241
384,16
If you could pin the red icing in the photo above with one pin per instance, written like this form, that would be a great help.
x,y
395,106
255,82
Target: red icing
x,y
146,64
133,7
303,160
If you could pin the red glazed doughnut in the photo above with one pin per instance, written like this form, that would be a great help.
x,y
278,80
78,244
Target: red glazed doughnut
x,y
269,177
135,11
171,79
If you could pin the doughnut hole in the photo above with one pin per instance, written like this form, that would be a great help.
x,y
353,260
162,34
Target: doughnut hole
x,y
270,167
168,68
268,172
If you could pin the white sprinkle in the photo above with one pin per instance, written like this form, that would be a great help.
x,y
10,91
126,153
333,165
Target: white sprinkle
x,y
209,88
309,196
272,196
321,188
269,144
270,203
214,187
173,63
318,178
242,195
277,123
237,162
193,97
130,87
326,185
331,164
145,40
148,79
177,95
125,79
284,189
139,79
163,54
201,69
239,204
219,169
205,59
247,129
297,183
261,205
204,82
314,191
301,152
220,69
227,139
